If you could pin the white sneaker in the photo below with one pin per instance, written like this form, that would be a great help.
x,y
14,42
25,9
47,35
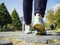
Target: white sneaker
x,y
28,29
39,25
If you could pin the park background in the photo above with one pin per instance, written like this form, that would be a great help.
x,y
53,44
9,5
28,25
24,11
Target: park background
x,y
11,14
11,20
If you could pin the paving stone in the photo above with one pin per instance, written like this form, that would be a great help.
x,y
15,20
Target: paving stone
x,y
29,37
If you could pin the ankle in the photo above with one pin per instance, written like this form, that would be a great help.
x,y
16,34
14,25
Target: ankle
x,y
38,14
28,24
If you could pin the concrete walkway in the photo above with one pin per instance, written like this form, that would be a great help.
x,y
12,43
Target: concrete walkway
x,y
29,37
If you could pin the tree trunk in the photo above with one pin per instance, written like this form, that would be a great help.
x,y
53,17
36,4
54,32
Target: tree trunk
x,y
6,27
1,27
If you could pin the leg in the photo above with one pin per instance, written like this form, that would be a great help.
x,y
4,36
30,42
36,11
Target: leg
x,y
40,6
27,11
39,9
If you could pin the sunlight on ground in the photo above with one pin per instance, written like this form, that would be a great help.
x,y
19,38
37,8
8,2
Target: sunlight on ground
x,y
21,42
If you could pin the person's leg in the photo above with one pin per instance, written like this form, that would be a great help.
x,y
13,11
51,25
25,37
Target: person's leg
x,y
27,11
40,7
39,11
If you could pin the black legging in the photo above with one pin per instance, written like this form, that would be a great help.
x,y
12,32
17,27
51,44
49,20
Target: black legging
x,y
39,7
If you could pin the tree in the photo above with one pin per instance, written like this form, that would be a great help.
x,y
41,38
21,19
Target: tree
x,y
4,16
50,16
57,14
54,15
16,20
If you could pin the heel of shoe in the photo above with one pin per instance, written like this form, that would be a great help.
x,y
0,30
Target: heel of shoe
x,y
40,29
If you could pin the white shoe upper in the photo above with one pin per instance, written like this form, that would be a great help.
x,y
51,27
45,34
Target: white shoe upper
x,y
28,28
38,20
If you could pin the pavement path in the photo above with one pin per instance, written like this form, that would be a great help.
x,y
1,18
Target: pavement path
x,y
29,37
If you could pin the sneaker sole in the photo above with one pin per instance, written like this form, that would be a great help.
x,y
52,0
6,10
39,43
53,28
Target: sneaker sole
x,y
28,32
40,29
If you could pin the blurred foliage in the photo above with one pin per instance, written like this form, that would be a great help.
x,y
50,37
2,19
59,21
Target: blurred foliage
x,y
7,21
4,16
17,25
53,16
